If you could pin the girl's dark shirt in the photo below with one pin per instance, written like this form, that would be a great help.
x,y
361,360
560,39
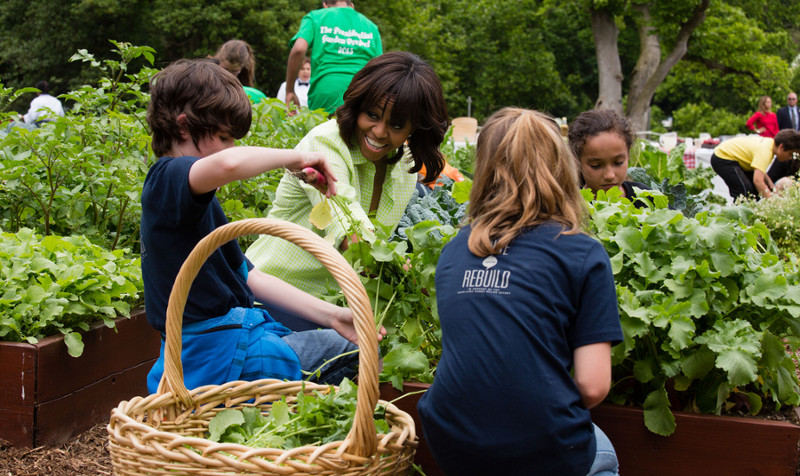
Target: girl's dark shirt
x,y
630,194
510,325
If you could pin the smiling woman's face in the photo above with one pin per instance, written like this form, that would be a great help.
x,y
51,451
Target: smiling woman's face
x,y
604,161
377,135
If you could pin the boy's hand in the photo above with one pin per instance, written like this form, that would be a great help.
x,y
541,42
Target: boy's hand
x,y
343,324
313,169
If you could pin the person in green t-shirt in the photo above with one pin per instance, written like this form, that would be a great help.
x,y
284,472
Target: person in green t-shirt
x,y
341,41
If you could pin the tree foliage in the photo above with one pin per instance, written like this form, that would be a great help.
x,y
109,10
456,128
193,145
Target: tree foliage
x,y
530,53
34,47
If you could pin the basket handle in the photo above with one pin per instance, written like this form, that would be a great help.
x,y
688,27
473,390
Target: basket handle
x,y
362,439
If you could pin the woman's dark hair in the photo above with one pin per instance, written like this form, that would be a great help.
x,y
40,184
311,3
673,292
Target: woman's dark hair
x,y
211,97
789,139
414,90
597,121
43,86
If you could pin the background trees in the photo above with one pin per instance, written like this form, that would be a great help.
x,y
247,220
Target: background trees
x,y
36,43
531,53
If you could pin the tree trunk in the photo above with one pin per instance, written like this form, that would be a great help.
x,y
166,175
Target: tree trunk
x,y
609,68
650,70
638,111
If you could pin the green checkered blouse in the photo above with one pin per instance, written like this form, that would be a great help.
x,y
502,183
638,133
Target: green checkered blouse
x,y
294,201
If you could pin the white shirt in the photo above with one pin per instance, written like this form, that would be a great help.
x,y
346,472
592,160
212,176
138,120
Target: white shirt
x,y
301,91
43,106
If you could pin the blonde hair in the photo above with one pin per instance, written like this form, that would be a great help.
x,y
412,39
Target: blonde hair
x,y
762,104
525,175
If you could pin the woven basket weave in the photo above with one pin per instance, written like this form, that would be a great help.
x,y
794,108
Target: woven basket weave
x,y
163,433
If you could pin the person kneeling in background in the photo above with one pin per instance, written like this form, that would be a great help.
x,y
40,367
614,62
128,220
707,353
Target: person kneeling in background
x,y
742,162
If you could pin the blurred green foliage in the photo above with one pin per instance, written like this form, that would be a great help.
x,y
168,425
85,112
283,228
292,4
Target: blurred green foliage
x,y
528,53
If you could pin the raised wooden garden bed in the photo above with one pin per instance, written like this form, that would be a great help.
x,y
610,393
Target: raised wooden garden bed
x,y
47,396
701,444
423,458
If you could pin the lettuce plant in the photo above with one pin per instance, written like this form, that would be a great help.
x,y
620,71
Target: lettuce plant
x,y
57,285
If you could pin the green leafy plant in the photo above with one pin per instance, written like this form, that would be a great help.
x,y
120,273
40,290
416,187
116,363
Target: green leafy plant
x,y
82,173
307,419
462,158
398,276
707,310
781,215
689,190
60,285
57,184
7,98
438,205
119,89
273,126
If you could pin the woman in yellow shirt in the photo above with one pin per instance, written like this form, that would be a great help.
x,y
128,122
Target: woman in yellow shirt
x,y
742,162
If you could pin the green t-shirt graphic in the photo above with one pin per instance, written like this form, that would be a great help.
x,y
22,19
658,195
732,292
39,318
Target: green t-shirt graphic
x,y
341,41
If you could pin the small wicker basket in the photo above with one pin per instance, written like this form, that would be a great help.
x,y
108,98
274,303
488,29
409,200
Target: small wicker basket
x,y
163,433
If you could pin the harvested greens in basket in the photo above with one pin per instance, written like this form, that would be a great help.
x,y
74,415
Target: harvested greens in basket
x,y
314,419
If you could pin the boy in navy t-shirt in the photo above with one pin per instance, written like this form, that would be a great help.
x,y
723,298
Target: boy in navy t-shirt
x,y
197,110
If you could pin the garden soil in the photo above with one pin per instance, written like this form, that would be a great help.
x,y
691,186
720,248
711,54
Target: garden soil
x,y
87,454
84,455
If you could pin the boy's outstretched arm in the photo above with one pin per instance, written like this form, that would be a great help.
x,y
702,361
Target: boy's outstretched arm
x,y
269,289
238,163
593,372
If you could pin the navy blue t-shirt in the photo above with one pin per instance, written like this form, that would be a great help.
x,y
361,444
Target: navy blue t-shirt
x,y
503,399
173,222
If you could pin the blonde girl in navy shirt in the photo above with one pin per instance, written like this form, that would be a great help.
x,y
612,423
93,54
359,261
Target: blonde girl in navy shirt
x,y
528,312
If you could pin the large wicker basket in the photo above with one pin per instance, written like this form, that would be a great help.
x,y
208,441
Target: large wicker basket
x,y
163,433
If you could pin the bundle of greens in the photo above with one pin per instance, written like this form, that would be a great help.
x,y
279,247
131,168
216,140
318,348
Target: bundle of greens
x,y
313,419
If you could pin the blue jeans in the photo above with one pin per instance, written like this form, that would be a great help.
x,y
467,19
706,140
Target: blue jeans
x,y
288,319
315,347
605,461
